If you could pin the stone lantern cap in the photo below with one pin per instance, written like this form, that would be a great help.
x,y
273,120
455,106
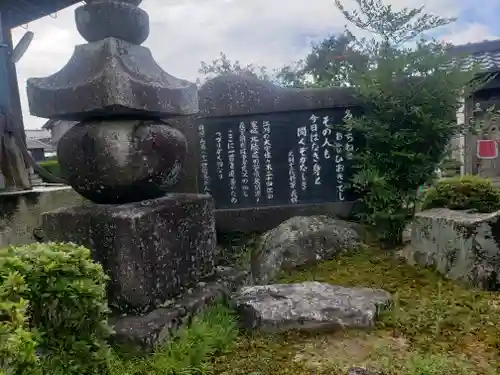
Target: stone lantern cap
x,y
112,74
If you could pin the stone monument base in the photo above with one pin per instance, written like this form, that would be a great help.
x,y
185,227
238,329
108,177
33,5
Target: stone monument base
x,y
145,332
151,250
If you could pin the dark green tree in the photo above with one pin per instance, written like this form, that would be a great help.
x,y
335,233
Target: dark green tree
x,y
329,63
410,96
222,65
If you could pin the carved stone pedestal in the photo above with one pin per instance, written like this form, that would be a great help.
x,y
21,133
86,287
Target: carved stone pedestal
x,y
151,250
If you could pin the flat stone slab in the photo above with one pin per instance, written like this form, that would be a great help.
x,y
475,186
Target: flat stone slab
x,y
461,245
151,250
308,306
146,332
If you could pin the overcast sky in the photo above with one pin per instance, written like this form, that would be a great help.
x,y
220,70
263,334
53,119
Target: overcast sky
x,y
264,32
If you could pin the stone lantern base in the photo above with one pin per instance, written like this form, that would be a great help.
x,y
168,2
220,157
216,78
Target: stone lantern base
x,y
151,250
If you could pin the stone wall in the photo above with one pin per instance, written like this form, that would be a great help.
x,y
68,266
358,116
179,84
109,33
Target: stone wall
x,y
21,211
462,246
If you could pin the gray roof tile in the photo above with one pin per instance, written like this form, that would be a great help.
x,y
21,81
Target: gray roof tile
x,y
486,54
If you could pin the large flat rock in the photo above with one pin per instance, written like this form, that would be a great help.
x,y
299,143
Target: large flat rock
x,y
309,306
461,245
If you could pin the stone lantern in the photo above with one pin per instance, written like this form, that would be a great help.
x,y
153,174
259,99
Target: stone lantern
x,y
124,158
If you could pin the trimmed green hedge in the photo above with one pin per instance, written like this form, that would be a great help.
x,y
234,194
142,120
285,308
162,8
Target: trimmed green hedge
x,y
53,303
463,193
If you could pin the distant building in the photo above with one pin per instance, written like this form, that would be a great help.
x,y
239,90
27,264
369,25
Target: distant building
x,y
486,55
38,143
39,150
57,128
37,134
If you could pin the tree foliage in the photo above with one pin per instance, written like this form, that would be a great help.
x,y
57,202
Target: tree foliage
x,y
410,96
329,63
222,65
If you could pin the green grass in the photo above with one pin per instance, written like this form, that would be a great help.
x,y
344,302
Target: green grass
x,y
435,327
213,332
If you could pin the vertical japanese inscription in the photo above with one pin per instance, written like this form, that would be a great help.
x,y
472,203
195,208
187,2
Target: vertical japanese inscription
x,y
349,141
204,159
339,165
231,156
337,149
255,154
266,130
292,177
302,136
326,132
314,139
317,153
245,180
218,153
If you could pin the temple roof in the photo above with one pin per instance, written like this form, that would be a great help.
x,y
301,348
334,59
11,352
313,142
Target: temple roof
x,y
19,12
486,54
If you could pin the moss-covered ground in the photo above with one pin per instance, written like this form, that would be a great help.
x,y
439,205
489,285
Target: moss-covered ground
x,y
435,327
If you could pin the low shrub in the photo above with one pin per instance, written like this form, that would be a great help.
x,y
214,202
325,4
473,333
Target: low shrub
x,y
53,302
463,193
52,166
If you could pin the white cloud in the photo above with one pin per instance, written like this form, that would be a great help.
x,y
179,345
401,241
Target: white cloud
x,y
471,33
184,32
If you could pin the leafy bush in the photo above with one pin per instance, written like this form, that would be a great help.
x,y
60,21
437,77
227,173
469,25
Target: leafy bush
x,y
17,342
65,292
52,166
463,193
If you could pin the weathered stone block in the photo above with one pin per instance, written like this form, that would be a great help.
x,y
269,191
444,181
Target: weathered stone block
x,y
461,245
117,19
151,250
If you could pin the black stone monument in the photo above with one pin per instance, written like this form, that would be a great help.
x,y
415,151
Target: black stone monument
x,y
267,153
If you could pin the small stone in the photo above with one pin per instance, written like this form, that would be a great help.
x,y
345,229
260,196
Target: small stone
x,y
308,306
122,161
359,371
